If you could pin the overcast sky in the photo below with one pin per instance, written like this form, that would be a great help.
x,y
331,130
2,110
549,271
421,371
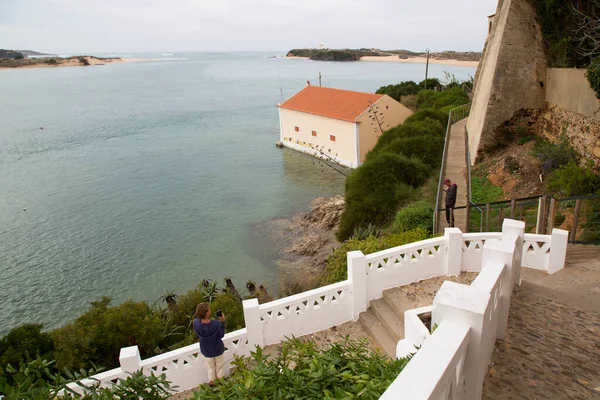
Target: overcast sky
x,y
68,26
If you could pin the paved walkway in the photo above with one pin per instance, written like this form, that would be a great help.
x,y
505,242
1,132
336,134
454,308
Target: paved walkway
x,y
552,347
455,169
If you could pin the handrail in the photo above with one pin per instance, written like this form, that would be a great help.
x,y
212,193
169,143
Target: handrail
x,y
441,177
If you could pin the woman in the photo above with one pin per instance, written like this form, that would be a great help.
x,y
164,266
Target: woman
x,y
210,333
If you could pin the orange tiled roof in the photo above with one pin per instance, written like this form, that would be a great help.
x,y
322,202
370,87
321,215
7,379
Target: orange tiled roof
x,y
341,104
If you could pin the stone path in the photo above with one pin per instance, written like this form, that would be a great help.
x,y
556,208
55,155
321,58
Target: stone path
x,y
551,351
552,348
455,169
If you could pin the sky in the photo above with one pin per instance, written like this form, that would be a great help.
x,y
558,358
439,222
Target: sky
x,y
69,26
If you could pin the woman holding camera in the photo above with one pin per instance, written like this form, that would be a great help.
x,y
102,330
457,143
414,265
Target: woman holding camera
x,y
210,332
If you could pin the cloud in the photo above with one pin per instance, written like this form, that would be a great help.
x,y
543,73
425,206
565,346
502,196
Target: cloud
x,y
158,25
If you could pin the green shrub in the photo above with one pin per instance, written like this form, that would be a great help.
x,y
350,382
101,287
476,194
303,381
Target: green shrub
x,y
400,90
572,180
413,216
429,113
24,344
593,75
34,380
553,156
231,307
364,232
304,370
374,190
336,265
98,335
437,100
432,83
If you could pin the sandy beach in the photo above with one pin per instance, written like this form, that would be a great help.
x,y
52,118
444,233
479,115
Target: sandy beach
x,y
420,60
75,62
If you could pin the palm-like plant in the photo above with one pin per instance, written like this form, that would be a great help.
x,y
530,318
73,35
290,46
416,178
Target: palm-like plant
x,y
210,291
170,298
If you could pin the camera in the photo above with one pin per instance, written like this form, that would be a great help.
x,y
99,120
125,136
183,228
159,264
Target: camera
x,y
219,313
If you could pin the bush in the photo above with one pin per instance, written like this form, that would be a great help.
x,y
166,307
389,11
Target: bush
x,y
593,75
452,97
24,344
34,380
304,370
572,180
374,190
432,83
428,113
98,335
415,215
336,269
364,232
400,90
232,308
553,156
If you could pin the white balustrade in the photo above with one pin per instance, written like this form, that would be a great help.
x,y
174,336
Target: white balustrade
x,y
470,318
405,264
306,312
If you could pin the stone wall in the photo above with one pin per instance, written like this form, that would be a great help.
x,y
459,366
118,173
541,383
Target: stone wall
x,y
511,75
569,89
582,131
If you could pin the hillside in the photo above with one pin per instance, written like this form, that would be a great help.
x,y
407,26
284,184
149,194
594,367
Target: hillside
x,y
42,62
12,54
356,54
27,53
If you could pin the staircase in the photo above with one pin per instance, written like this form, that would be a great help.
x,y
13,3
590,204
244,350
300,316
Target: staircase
x,y
384,320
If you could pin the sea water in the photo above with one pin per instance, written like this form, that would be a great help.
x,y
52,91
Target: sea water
x,y
149,177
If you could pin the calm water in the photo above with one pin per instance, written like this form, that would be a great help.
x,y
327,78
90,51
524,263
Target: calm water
x,y
149,176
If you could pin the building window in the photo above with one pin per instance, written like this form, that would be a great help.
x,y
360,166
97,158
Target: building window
x,y
314,133
332,138
297,129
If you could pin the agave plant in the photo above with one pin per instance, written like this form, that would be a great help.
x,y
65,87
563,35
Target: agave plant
x,y
170,298
210,291
364,232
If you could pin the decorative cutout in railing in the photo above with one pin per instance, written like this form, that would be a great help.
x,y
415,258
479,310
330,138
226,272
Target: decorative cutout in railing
x,y
306,312
472,249
536,251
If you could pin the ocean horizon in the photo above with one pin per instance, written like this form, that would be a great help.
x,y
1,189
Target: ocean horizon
x,y
150,176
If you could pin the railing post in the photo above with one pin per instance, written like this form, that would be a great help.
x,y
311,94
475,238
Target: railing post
x,y
357,275
488,208
468,217
558,250
575,220
513,204
551,212
511,230
254,329
465,305
454,238
130,359
539,227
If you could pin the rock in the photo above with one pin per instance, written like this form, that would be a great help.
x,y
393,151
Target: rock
x,y
326,212
309,245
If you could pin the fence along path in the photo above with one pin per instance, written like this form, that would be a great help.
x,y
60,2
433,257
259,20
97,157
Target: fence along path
x,y
455,168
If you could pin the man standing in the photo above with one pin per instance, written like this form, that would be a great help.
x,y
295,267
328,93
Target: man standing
x,y
450,201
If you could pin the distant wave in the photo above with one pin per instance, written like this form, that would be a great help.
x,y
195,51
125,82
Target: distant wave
x,y
167,54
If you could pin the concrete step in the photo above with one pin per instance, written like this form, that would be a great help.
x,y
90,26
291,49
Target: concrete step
x,y
397,301
389,318
378,332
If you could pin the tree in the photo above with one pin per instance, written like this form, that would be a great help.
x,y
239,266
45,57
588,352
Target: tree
x,y
24,343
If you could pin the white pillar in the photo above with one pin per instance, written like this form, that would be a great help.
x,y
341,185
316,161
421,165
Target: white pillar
x,y
497,251
511,230
254,328
465,305
454,236
130,360
357,275
558,250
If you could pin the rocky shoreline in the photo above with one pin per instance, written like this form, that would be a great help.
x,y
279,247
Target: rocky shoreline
x,y
306,240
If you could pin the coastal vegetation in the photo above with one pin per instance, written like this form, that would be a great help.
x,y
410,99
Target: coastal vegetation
x,y
27,62
301,369
96,337
11,54
401,161
324,54
571,32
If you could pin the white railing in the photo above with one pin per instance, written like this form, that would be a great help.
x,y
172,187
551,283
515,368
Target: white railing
x,y
306,312
405,264
368,276
453,361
